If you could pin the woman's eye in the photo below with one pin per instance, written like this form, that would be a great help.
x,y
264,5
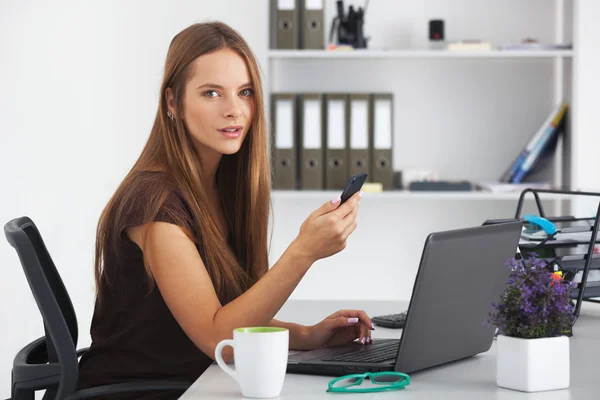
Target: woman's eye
x,y
211,93
246,92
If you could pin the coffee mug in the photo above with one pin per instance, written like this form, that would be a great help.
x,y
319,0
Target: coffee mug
x,y
260,356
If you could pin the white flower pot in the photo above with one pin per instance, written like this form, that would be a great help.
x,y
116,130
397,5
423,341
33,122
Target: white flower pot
x,y
533,365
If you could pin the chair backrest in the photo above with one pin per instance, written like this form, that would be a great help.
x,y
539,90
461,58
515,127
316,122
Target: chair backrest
x,y
52,298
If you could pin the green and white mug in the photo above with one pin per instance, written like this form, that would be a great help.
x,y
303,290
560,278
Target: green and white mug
x,y
260,357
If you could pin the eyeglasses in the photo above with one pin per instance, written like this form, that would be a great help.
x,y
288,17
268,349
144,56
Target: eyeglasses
x,y
385,381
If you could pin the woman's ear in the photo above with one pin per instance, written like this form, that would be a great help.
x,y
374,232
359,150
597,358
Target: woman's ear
x,y
170,101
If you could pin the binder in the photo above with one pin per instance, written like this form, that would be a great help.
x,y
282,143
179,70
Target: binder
x,y
336,138
382,125
312,25
358,123
312,174
287,24
283,112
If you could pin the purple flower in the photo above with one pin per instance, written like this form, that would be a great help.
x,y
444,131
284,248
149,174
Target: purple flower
x,y
533,304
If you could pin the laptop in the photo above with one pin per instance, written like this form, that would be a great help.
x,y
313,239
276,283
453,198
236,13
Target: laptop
x,y
397,320
460,274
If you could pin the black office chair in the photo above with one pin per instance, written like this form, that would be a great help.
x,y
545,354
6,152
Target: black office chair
x,y
51,362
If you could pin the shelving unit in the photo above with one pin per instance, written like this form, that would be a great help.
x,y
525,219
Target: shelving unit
x,y
487,103
465,115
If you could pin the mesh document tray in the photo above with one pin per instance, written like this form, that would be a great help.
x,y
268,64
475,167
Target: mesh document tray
x,y
568,237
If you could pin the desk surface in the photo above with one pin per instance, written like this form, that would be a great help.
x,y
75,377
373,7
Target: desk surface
x,y
473,378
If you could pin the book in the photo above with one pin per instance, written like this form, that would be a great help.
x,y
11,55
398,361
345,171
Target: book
x,y
469,45
531,145
550,130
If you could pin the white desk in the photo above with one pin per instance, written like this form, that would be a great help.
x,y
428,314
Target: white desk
x,y
473,378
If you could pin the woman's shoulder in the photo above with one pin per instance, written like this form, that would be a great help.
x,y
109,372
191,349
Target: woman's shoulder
x,y
149,184
154,190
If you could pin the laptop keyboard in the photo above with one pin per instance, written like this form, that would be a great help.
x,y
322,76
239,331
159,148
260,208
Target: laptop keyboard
x,y
373,353
395,321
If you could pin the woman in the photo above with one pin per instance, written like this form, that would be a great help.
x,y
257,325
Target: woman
x,y
181,250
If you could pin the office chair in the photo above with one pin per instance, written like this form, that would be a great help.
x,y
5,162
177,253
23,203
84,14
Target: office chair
x,y
51,362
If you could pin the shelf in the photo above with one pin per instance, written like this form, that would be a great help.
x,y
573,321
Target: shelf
x,y
390,54
408,195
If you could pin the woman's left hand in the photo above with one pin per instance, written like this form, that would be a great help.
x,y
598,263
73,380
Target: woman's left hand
x,y
342,327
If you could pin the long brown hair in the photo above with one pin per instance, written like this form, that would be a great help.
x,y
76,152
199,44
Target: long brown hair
x,y
243,179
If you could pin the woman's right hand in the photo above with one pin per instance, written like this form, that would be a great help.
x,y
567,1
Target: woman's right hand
x,y
326,229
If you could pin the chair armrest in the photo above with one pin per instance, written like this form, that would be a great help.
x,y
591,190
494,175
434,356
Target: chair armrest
x,y
80,352
34,353
140,386
31,367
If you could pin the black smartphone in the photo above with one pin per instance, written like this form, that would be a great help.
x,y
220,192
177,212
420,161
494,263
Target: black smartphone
x,y
353,185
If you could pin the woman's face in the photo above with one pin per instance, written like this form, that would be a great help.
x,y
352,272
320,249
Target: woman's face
x,y
218,105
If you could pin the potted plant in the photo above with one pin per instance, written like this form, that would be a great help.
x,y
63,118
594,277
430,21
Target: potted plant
x,y
534,318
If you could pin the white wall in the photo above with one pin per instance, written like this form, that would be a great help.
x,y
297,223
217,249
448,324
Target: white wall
x,y
79,89
382,256
79,84
586,90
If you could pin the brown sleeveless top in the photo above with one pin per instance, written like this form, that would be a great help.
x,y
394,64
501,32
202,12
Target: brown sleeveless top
x,y
134,335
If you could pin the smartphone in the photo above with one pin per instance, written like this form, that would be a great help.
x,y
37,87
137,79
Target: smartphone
x,y
353,185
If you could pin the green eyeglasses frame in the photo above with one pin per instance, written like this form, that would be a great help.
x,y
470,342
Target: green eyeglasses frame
x,y
385,386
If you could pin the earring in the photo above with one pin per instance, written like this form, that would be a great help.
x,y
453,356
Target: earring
x,y
170,115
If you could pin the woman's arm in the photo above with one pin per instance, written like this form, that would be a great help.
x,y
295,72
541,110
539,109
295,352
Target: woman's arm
x,y
299,334
187,289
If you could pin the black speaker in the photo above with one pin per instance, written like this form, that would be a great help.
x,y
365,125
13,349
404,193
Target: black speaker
x,y
436,30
